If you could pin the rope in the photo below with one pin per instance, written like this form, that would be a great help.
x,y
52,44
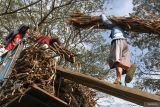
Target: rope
x,y
59,85
54,76
125,83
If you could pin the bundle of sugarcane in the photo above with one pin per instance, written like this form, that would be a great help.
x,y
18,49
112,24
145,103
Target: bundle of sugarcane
x,y
133,23
59,50
68,55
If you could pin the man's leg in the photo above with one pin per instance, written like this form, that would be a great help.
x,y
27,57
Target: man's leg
x,y
126,67
118,75
130,70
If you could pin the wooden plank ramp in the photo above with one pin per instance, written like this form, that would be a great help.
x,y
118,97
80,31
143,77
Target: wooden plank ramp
x,y
129,94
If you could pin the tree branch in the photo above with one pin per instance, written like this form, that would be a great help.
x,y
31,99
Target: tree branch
x,y
14,11
52,9
150,73
8,5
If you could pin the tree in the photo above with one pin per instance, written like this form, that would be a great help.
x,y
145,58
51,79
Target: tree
x,y
50,16
148,9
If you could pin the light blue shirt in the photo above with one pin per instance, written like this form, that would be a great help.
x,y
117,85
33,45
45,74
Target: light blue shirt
x,y
116,31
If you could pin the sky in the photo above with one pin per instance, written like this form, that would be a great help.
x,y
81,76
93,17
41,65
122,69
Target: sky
x,y
116,8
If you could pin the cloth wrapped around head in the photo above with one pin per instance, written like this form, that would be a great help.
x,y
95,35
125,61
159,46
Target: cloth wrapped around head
x,y
23,28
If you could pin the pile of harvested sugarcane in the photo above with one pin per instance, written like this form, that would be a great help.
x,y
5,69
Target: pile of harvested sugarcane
x,y
65,53
37,66
133,23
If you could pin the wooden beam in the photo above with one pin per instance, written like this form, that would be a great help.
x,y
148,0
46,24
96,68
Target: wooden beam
x,y
36,97
126,93
27,101
38,92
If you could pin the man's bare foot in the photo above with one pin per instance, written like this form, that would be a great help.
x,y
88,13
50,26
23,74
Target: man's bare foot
x,y
117,82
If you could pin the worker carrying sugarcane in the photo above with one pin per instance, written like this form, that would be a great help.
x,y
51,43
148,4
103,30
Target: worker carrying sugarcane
x,y
14,37
47,41
119,57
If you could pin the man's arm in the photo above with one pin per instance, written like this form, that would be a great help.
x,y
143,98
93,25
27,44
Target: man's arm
x,y
53,40
16,42
58,41
17,39
106,21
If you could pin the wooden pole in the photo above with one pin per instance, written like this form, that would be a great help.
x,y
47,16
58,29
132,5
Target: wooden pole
x,y
126,93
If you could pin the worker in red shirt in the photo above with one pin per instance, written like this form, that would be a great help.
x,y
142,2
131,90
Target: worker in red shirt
x,y
47,41
13,39
21,33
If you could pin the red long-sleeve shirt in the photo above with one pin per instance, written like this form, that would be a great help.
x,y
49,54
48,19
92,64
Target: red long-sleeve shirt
x,y
11,44
47,40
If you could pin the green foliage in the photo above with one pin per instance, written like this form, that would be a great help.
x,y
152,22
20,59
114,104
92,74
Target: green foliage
x,y
43,13
149,84
50,16
94,60
148,9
